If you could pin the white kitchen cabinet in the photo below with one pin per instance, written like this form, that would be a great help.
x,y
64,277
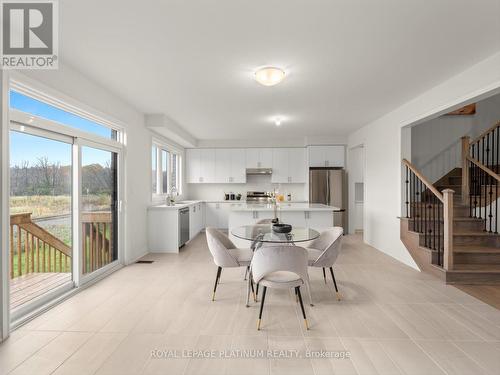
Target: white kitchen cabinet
x,y
259,157
212,215
297,165
280,166
217,215
200,165
238,170
193,165
196,219
223,216
222,165
207,165
230,165
289,165
319,220
252,157
327,156
294,218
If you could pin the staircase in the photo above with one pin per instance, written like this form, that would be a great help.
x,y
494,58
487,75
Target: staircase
x,y
451,227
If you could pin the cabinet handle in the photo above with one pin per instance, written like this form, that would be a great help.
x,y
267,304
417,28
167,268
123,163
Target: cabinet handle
x,y
217,206
258,164
326,163
199,179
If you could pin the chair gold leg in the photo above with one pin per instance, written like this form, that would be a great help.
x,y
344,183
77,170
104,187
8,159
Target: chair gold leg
x,y
307,324
339,296
258,324
213,296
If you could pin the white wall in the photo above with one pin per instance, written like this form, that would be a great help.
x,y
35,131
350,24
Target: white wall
x,y
383,152
254,183
261,141
436,144
138,147
356,171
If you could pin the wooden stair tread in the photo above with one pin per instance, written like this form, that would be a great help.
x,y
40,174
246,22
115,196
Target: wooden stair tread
x,y
476,268
475,249
477,233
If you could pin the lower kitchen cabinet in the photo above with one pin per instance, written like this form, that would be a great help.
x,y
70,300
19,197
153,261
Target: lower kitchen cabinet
x,y
217,214
196,219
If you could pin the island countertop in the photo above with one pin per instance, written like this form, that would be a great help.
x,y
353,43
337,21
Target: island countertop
x,y
284,207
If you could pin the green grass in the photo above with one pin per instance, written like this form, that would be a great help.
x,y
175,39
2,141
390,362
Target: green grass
x,y
54,205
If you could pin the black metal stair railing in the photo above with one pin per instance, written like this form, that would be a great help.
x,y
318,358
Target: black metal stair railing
x,y
425,209
483,164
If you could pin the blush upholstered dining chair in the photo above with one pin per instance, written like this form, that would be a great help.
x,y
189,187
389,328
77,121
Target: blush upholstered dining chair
x,y
225,254
280,267
324,250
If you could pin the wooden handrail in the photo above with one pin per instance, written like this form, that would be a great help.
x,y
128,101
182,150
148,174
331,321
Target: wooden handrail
x,y
47,237
485,133
34,249
484,168
426,182
97,217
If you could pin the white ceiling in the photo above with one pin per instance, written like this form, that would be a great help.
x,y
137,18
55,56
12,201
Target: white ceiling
x,y
349,61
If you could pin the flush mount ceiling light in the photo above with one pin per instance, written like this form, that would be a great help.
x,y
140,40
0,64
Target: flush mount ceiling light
x,y
277,121
269,75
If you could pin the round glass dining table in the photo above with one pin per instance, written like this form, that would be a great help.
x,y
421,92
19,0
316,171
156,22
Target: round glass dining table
x,y
261,233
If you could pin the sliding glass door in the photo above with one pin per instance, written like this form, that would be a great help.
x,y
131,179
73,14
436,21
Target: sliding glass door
x,y
99,212
64,217
41,194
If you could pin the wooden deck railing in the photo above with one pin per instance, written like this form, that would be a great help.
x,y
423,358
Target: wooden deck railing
x,y
97,235
33,249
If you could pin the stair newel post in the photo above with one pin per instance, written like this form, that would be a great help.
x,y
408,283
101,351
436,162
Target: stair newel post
x,y
448,229
465,168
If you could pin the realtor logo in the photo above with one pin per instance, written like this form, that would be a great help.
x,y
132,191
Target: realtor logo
x,y
29,34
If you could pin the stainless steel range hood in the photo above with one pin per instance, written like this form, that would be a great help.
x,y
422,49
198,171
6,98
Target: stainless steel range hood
x,y
260,171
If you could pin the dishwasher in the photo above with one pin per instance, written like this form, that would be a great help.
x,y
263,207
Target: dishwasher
x,y
183,226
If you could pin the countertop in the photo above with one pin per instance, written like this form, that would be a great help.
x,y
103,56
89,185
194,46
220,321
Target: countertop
x,y
284,207
177,206
241,205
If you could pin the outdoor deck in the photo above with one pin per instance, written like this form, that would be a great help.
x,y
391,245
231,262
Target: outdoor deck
x,y
28,287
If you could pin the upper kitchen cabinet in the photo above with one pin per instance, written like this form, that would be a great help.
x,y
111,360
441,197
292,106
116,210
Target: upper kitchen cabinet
x,y
193,165
259,157
230,165
327,156
289,165
200,164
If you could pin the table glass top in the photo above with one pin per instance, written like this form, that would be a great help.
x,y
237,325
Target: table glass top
x,y
265,233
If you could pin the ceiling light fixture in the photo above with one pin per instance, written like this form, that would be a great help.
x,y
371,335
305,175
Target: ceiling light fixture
x,y
269,75
277,121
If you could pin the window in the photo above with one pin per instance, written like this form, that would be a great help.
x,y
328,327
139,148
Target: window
x,y
46,111
166,166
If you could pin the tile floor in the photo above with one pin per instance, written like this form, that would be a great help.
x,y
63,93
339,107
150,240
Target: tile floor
x,y
392,320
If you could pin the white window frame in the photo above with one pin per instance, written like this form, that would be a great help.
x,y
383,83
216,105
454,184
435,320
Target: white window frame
x,y
170,149
15,119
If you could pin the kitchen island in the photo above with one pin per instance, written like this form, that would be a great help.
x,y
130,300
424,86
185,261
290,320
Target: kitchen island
x,y
311,215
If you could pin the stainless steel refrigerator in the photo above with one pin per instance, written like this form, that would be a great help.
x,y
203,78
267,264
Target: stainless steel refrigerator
x,y
329,186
